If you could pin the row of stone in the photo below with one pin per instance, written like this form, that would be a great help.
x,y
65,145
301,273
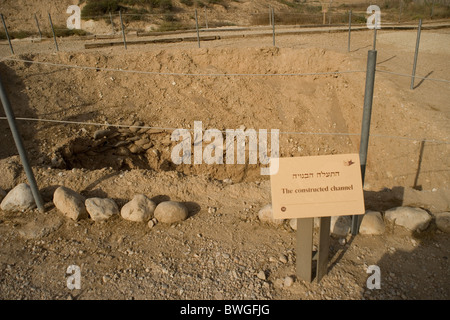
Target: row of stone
x,y
143,209
75,206
372,223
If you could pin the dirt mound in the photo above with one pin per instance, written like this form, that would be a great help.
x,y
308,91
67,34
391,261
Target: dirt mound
x,y
170,96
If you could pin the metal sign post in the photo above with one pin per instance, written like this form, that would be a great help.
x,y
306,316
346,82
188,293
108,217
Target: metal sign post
x,y
304,250
316,186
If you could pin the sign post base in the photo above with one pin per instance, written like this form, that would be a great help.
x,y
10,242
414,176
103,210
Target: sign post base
x,y
305,257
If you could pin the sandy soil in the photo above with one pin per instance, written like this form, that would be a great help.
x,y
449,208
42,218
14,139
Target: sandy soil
x,y
217,253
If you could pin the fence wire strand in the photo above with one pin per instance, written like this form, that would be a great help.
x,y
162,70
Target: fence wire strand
x,y
299,74
184,74
223,131
410,76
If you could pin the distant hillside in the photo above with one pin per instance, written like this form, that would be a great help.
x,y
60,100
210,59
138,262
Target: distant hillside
x,y
165,15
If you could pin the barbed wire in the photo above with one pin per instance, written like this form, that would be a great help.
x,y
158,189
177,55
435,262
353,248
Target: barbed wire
x,y
223,131
183,74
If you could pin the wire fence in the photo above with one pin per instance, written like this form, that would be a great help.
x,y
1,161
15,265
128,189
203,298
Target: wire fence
x,y
342,134
152,73
299,74
290,18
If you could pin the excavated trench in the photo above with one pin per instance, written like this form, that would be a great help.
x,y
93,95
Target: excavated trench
x,y
133,148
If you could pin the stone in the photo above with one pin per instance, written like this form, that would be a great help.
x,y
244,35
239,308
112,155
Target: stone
x,y
102,133
171,211
212,209
340,225
70,203
265,214
101,209
443,221
135,149
139,209
141,142
136,125
19,198
261,275
147,146
411,218
152,223
293,223
372,223
288,281
283,259
2,194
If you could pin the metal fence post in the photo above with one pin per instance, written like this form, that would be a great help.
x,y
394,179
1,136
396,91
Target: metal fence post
x,y
37,24
270,16
416,53
123,30
374,37
7,34
112,23
196,27
20,148
349,29
273,27
432,9
365,128
53,31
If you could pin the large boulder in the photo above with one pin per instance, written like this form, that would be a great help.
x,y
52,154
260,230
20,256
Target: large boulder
x,y
19,198
171,212
70,203
340,225
414,219
372,223
443,221
139,209
101,209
